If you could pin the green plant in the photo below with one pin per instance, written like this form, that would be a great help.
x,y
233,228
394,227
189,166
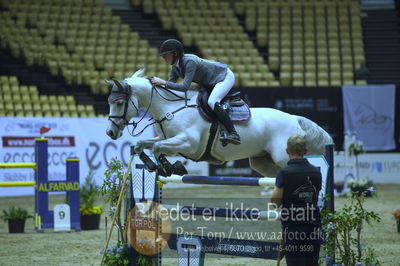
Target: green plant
x,y
343,229
362,186
117,255
88,195
356,148
361,183
14,213
110,190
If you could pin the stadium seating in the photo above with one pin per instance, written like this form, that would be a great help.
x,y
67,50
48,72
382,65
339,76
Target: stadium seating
x,y
80,40
310,43
213,27
20,100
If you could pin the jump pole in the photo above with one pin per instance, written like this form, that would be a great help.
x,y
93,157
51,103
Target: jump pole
x,y
218,180
18,184
18,165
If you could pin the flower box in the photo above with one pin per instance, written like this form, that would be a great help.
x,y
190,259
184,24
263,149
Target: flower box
x,y
16,225
90,221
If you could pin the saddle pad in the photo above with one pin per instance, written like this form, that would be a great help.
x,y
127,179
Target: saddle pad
x,y
237,109
239,113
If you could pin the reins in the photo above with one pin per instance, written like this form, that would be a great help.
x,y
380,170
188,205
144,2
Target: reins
x,y
168,115
180,98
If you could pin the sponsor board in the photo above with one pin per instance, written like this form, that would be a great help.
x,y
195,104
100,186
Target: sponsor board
x,y
84,138
379,167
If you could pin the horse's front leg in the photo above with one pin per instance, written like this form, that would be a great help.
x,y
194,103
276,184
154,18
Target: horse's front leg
x,y
146,144
167,169
180,144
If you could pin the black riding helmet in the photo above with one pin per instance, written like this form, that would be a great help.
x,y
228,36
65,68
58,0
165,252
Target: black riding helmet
x,y
171,45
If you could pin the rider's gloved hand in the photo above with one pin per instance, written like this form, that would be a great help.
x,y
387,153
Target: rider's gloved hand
x,y
157,81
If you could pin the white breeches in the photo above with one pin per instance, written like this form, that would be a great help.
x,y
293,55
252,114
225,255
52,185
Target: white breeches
x,y
221,89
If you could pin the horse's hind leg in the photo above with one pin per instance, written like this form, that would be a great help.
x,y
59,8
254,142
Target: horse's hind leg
x,y
264,165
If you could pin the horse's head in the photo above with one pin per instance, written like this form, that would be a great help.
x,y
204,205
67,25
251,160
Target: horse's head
x,y
122,107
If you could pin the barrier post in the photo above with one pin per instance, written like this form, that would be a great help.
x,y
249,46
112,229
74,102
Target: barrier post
x,y
44,218
329,149
73,196
330,205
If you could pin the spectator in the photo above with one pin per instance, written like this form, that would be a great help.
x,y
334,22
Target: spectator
x,y
296,191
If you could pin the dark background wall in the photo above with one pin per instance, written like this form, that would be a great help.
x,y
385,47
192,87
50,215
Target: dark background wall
x,y
322,105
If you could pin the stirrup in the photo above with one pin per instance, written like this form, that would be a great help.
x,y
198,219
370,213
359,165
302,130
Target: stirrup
x,y
230,138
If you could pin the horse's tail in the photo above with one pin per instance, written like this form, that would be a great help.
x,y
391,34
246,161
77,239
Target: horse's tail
x,y
316,137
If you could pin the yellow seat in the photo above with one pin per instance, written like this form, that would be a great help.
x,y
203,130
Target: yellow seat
x,y
29,113
361,82
348,82
47,113
16,97
44,99
297,79
37,107
46,107
38,114
27,107
8,106
286,79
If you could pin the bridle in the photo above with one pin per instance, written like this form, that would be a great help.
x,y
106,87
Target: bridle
x,y
126,96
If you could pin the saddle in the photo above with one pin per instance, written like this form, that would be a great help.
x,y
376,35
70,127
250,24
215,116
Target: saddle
x,y
237,109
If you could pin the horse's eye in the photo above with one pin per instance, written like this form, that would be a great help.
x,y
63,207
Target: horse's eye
x,y
119,103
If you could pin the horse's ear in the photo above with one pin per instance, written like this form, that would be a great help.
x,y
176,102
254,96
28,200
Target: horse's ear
x,y
138,73
119,85
109,83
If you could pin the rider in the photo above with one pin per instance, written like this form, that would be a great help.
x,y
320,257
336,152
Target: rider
x,y
212,75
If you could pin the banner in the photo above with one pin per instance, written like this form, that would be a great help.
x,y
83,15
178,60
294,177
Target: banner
x,y
84,138
369,113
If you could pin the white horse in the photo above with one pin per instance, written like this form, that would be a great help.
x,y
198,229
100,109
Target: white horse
x,y
183,132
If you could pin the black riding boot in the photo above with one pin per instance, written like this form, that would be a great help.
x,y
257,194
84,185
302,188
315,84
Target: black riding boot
x,y
232,136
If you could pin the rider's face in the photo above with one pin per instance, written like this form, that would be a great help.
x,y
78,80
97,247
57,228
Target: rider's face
x,y
169,58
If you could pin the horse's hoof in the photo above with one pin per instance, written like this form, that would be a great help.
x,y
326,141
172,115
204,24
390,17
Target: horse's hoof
x,y
166,165
179,168
163,172
150,165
